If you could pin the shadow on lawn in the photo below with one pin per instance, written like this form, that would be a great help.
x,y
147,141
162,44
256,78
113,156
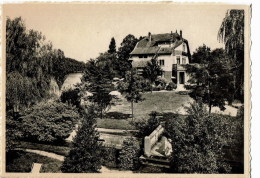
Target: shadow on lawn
x,y
117,115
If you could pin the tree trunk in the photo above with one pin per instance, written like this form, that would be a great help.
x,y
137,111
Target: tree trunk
x,y
132,106
209,109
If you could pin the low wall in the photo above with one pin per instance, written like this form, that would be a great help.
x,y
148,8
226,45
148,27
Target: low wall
x,y
150,140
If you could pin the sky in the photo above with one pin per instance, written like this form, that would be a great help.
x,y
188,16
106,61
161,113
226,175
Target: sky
x,y
83,31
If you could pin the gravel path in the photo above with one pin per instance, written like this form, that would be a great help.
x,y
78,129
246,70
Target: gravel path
x,y
47,154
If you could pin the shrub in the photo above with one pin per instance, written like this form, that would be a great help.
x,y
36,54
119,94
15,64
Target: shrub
x,y
199,141
161,83
171,86
110,156
129,155
48,122
146,126
71,96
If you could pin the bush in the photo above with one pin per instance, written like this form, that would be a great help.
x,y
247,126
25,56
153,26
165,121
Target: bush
x,y
48,121
129,155
171,86
71,96
146,126
110,156
200,141
161,83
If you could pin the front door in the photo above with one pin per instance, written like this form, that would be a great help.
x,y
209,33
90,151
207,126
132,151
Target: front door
x,y
181,78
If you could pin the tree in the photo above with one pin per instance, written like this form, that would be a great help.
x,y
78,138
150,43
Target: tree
x,y
231,32
201,54
152,70
85,155
199,141
112,46
129,155
127,46
211,80
97,79
132,87
48,121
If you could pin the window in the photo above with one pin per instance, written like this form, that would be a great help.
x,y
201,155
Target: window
x,y
178,59
183,47
161,62
183,60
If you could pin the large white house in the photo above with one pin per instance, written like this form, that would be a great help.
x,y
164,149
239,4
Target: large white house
x,y
170,49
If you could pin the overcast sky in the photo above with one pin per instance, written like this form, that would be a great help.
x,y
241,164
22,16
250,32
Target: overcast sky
x,y
83,31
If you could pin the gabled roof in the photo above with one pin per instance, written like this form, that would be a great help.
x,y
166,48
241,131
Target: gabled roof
x,y
145,46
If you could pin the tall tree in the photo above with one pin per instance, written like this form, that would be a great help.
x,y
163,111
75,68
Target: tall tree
x,y
97,79
132,87
211,80
127,46
112,46
201,54
152,70
231,32
86,153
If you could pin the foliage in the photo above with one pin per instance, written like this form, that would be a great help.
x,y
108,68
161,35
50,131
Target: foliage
x,y
85,155
171,86
201,54
110,157
30,64
160,82
71,96
13,130
129,155
211,80
21,161
48,121
112,46
231,32
97,79
146,126
127,46
199,141
132,88
152,70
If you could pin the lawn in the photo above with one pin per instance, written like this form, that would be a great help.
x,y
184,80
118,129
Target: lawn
x,y
163,101
118,117
60,150
21,161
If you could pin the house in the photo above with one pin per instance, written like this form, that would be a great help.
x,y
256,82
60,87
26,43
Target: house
x,y
171,51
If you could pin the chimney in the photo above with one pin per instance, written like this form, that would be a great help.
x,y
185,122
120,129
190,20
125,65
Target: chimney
x,y
150,36
181,33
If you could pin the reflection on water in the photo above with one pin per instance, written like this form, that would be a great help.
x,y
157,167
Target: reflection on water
x,y
71,80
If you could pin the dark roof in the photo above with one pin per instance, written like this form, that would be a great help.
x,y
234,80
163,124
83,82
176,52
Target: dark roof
x,y
145,46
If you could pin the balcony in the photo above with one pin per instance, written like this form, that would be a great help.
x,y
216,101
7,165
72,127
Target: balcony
x,y
176,67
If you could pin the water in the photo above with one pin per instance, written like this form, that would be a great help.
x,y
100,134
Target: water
x,y
71,80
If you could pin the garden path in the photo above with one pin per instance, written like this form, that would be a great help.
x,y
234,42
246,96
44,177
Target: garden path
x,y
47,154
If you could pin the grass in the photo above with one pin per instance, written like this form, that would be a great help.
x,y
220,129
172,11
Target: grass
x,y
60,150
114,124
118,117
163,101
21,161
